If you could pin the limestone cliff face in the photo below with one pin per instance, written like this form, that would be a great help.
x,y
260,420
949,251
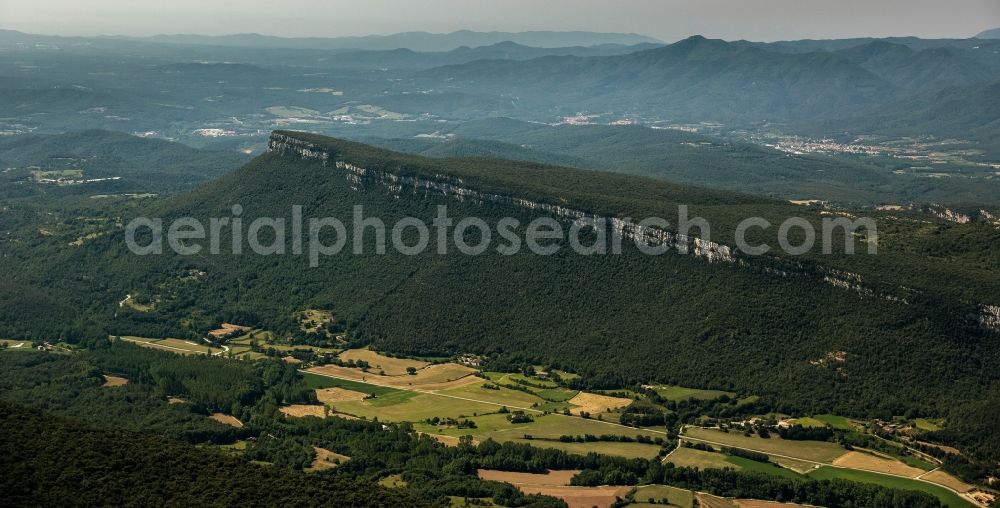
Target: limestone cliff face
x,y
713,252
454,188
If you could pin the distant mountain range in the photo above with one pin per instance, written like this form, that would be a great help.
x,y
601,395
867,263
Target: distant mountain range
x,y
989,34
416,41
405,58
701,79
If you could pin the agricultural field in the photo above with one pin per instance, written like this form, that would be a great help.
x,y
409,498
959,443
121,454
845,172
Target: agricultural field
x,y
593,403
384,365
433,377
869,462
580,497
817,451
656,494
232,421
428,398
928,424
701,459
946,496
227,329
834,421
184,347
943,478
614,448
709,501
503,396
770,468
551,478
303,410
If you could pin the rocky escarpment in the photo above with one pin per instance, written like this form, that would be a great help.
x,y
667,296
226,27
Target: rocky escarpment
x,y
456,188
452,187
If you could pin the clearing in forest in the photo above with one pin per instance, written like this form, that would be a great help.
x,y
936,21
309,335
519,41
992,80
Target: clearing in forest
x,y
434,377
377,363
868,462
303,410
658,493
110,381
701,459
818,451
551,478
325,459
232,421
594,403
226,329
333,395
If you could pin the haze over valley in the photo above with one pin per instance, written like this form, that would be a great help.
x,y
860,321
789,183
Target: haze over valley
x,y
597,262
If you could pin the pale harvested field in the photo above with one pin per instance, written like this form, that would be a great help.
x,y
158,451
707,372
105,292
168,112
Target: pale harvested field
x,y
580,497
799,466
226,419
818,451
754,503
332,395
291,360
391,366
110,381
435,377
595,403
859,460
302,410
550,479
941,478
175,401
700,459
226,329
448,440
713,502
184,347
325,459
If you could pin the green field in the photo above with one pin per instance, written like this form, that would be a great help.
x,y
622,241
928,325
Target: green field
x,y
763,467
545,432
674,496
318,381
927,424
505,396
701,459
819,451
627,450
946,496
400,405
837,422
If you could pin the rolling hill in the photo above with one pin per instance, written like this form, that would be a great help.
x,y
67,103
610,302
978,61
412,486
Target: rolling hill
x,y
136,164
416,41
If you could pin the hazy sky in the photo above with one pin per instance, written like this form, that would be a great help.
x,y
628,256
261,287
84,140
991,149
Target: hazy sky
x,y
665,19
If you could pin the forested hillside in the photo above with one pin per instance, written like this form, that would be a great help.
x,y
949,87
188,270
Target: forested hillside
x,y
96,162
66,465
737,326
